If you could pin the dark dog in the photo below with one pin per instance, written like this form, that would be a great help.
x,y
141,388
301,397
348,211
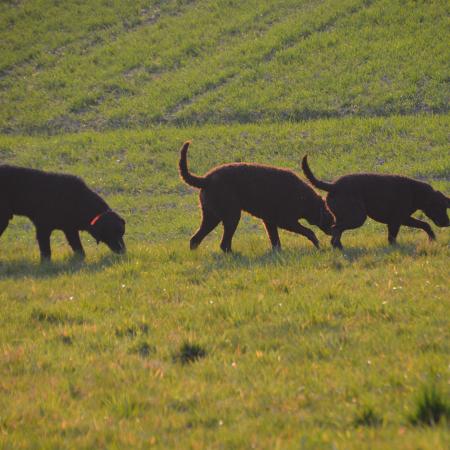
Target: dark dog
x,y
277,196
389,199
58,202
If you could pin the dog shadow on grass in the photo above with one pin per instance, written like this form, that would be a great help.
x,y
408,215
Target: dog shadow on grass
x,y
289,256
25,268
356,253
268,258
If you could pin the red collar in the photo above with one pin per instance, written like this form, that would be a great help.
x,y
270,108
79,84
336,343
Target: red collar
x,y
97,217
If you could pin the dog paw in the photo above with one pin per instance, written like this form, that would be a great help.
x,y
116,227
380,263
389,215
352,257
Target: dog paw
x,y
337,245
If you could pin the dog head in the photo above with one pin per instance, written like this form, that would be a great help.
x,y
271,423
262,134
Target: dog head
x,y
435,208
327,219
109,228
323,217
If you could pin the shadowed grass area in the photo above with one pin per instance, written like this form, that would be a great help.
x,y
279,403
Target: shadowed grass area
x,y
189,353
26,267
368,417
432,407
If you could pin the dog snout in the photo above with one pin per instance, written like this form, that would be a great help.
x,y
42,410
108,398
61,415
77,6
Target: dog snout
x,y
118,247
122,248
442,220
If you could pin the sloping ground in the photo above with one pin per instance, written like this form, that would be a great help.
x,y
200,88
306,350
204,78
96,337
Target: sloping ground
x,y
104,65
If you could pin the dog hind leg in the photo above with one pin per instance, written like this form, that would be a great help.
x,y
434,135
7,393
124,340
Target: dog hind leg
x,y
209,222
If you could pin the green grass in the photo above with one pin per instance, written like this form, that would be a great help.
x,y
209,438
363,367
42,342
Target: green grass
x,y
283,349
295,343
134,64
168,348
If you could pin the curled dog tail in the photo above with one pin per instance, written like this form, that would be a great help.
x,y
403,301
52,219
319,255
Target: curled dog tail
x,y
314,181
189,178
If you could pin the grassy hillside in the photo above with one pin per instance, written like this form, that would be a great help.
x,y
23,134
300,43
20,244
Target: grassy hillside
x,y
167,348
68,66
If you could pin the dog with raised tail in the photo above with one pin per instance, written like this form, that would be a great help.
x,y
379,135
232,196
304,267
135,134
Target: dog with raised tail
x,y
389,199
277,196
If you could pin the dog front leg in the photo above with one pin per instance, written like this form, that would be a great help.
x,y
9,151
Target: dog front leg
x,y
229,227
416,223
336,235
43,238
295,227
393,229
209,222
272,232
73,238
3,224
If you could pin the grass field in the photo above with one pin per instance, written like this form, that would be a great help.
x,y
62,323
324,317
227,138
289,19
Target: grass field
x,y
167,348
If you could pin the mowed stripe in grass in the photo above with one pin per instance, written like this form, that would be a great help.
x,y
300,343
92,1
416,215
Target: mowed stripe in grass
x,y
184,62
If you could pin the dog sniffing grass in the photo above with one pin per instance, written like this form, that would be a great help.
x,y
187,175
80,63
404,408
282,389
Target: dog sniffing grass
x,y
54,201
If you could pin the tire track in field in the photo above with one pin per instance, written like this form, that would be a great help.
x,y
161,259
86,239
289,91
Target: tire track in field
x,y
171,113
295,115
70,123
89,42
322,28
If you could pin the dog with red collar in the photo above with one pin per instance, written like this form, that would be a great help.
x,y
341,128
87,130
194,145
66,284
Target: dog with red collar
x,y
55,201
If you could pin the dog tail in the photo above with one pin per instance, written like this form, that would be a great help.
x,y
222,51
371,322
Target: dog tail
x,y
314,181
189,178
